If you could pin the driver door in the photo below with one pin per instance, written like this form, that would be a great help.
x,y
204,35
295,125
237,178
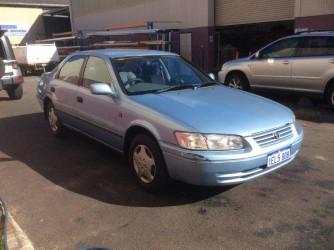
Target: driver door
x,y
273,67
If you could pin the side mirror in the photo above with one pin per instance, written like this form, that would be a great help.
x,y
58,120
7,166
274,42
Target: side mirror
x,y
257,55
212,76
102,89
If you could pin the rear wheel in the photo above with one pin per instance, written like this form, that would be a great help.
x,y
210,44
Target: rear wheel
x,y
147,163
330,96
237,81
15,92
54,121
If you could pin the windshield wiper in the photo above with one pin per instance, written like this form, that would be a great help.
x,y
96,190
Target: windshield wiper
x,y
206,84
177,87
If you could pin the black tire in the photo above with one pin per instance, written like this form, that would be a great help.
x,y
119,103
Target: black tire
x,y
330,96
15,92
56,126
237,81
2,68
161,180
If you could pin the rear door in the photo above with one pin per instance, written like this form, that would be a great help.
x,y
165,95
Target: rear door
x,y
273,67
64,88
98,112
315,58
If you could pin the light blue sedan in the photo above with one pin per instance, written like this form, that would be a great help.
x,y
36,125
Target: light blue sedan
x,y
169,119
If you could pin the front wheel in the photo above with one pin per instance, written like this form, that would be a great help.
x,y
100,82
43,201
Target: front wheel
x,y
330,96
237,81
147,163
15,92
54,121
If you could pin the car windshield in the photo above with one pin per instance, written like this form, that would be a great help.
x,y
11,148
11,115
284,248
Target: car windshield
x,y
140,75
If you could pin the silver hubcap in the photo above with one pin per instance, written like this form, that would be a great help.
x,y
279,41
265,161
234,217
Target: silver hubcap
x,y
235,83
332,98
53,119
144,163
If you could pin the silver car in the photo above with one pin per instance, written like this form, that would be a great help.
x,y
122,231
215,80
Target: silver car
x,y
302,63
12,79
170,120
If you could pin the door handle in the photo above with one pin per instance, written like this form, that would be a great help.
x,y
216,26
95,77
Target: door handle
x,y
285,62
79,99
331,61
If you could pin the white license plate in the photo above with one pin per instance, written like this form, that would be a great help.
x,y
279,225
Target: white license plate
x,y
279,156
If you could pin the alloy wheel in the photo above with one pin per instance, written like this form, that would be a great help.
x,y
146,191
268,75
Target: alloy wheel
x,y
53,119
235,83
144,163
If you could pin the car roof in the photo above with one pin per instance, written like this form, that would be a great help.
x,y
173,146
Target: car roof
x,y
116,53
314,33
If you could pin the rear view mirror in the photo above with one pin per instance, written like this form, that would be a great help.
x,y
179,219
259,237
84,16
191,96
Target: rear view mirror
x,y
212,76
102,89
257,55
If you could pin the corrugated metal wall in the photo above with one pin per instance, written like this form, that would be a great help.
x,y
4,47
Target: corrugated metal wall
x,y
234,12
89,7
304,8
88,14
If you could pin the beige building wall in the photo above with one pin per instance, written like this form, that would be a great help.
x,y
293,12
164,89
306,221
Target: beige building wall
x,y
23,18
304,8
235,12
97,14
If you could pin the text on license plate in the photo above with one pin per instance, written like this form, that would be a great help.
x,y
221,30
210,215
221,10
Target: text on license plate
x,y
279,156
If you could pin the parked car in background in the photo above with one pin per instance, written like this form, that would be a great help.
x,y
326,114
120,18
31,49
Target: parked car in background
x,y
12,79
36,57
168,118
302,62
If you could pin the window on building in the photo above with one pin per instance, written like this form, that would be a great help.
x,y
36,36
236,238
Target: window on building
x,y
70,72
281,49
96,71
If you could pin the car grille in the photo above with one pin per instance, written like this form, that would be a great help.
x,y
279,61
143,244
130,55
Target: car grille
x,y
273,136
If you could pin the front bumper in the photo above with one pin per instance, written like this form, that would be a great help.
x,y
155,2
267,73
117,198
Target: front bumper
x,y
226,168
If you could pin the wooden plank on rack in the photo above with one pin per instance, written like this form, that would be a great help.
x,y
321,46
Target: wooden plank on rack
x,y
126,26
70,33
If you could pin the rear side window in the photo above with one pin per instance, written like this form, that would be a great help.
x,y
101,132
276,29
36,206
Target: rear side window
x,y
96,71
70,72
281,49
317,46
2,51
331,46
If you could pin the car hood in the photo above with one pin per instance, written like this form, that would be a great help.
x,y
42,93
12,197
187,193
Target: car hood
x,y
218,109
236,61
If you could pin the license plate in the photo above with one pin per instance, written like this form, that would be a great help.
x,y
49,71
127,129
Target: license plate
x,y
279,156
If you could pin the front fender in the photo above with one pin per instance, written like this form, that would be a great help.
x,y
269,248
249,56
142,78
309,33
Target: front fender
x,y
234,68
146,125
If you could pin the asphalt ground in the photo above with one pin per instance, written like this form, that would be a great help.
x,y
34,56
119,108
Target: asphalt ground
x,y
74,193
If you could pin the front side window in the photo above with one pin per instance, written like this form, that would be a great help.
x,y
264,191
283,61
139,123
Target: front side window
x,y
96,71
281,49
317,46
153,73
70,72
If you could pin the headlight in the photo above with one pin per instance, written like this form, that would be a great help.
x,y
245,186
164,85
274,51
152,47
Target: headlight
x,y
196,141
293,118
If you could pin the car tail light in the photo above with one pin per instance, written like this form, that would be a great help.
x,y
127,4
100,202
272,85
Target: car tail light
x,y
19,80
15,65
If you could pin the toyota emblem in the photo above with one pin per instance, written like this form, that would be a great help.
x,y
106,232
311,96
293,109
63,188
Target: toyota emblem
x,y
276,135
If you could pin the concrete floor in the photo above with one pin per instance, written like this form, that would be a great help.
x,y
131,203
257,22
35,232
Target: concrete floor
x,y
73,193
